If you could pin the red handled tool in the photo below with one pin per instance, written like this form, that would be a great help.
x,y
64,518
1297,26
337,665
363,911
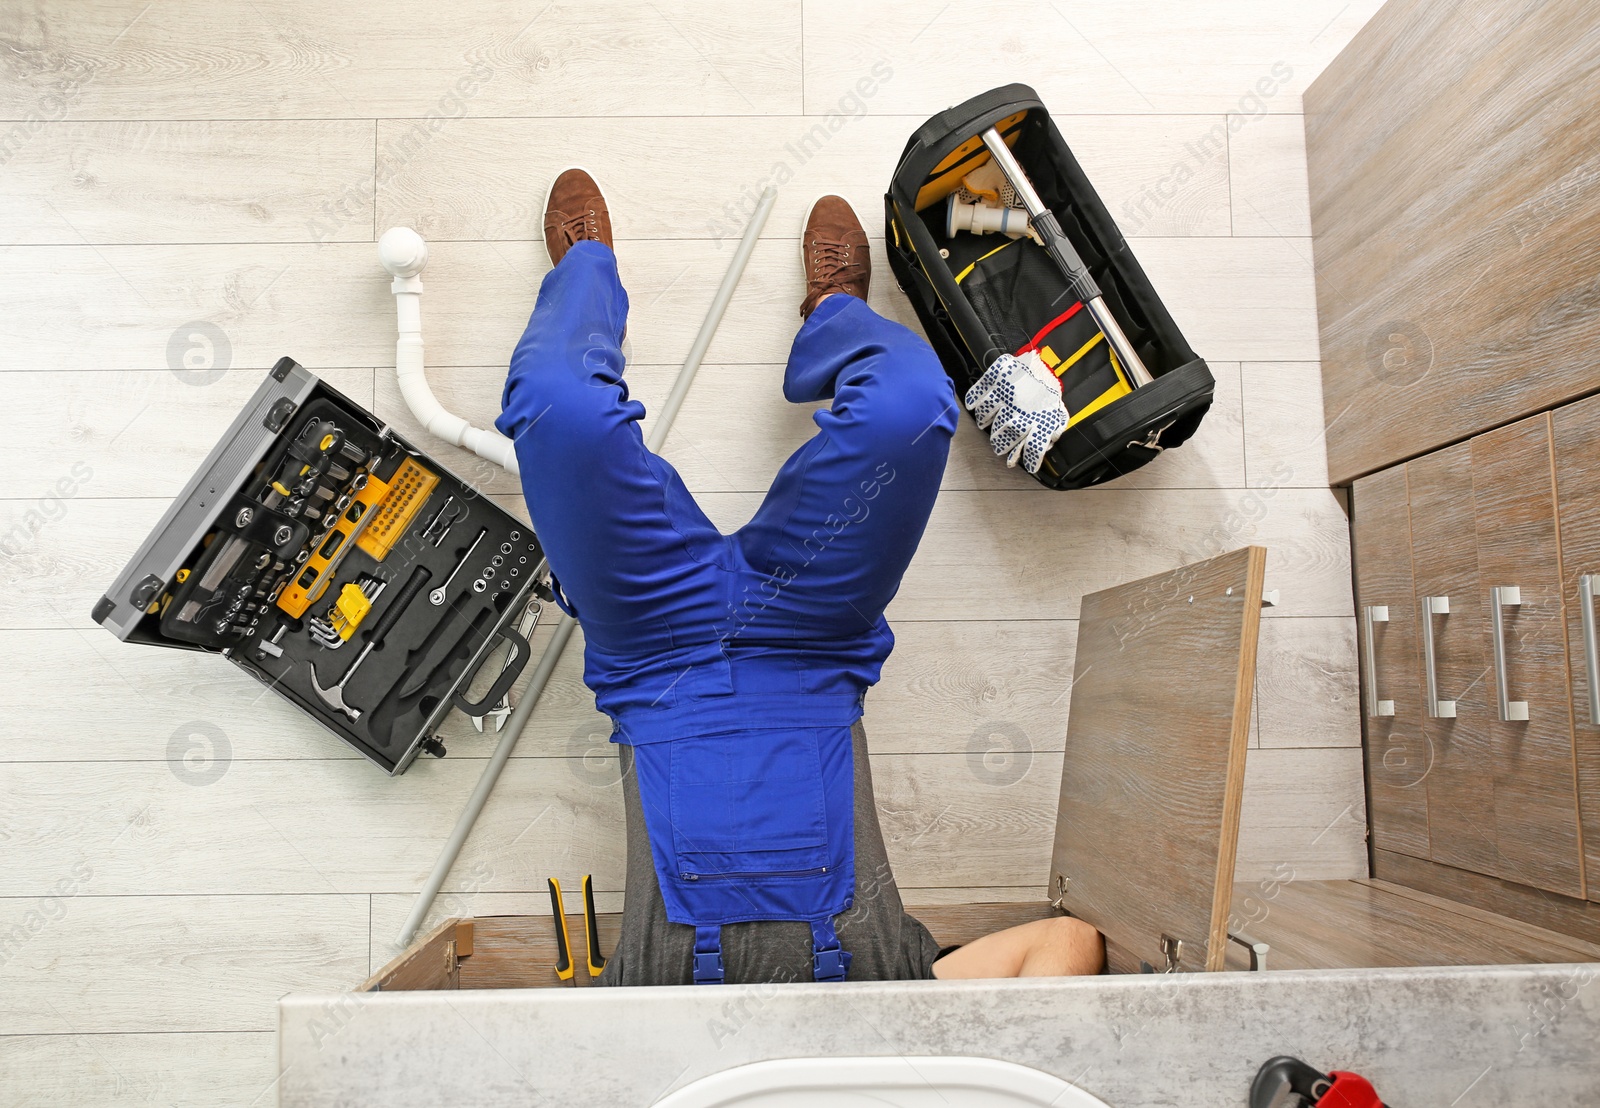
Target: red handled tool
x,y
1286,1082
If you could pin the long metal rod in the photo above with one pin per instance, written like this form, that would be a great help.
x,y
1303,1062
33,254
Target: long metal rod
x,y
1046,224
564,629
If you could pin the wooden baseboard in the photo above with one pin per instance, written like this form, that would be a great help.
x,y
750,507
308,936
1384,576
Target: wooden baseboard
x,y
1564,914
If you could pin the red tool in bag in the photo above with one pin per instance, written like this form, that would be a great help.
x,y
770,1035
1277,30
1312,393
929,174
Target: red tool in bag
x,y
1286,1082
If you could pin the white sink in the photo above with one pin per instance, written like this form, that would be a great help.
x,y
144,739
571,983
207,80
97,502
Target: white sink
x,y
904,1082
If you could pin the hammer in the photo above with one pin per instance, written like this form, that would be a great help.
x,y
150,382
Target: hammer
x,y
334,697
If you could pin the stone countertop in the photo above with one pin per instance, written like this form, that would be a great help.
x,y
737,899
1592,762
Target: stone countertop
x,y
1460,1036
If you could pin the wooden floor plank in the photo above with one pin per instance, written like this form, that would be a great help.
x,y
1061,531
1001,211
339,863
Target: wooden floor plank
x,y
717,452
216,181
90,698
1283,403
1079,542
115,421
107,964
985,556
1267,175
280,59
341,826
980,688
1080,59
487,178
328,304
1356,925
140,433
1304,814
992,690
1574,948
1306,683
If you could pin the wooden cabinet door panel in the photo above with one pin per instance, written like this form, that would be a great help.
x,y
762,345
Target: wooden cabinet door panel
x,y
1577,453
1458,752
1452,174
1153,775
1396,755
1535,789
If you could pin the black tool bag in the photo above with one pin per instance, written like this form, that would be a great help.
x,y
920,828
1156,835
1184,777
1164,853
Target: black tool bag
x,y
982,295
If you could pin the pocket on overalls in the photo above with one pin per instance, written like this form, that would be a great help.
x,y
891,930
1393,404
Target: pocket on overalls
x,y
749,804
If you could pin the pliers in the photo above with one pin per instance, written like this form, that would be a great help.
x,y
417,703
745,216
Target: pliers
x,y
502,711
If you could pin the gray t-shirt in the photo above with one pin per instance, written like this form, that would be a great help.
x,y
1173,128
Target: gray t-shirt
x,y
885,942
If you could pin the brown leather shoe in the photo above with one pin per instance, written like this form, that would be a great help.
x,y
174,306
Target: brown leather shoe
x,y
574,211
833,252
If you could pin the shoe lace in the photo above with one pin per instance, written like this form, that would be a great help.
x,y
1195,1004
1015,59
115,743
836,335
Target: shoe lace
x,y
832,260
584,225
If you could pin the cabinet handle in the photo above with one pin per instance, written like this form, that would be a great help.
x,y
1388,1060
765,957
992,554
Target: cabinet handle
x,y
1591,657
1434,606
1502,596
1374,613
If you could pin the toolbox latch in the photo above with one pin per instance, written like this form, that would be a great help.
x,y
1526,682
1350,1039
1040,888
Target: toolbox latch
x,y
278,415
145,591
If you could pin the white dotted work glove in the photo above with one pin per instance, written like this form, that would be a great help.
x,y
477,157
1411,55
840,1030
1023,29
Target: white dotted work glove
x,y
1019,400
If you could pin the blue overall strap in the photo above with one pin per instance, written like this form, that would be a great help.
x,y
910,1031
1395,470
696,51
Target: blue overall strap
x,y
828,961
708,954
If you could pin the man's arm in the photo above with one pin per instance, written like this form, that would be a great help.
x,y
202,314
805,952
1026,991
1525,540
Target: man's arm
x,y
1059,947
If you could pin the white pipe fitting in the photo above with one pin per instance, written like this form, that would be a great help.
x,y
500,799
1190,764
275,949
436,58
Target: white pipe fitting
x,y
404,254
982,219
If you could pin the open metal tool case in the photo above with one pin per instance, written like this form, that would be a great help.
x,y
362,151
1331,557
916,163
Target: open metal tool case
x,y
338,564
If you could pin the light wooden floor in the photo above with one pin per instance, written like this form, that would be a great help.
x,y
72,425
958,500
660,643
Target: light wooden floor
x,y
168,169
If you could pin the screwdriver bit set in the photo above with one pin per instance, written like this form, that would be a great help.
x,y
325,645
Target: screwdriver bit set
x,y
339,565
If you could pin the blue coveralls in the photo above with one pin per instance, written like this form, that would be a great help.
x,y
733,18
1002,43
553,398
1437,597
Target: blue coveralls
x,y
734,664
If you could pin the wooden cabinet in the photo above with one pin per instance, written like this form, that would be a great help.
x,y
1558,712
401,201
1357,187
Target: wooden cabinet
x,y
1576,431
1452,179
1525,685
1450,629
1396,755
1476,763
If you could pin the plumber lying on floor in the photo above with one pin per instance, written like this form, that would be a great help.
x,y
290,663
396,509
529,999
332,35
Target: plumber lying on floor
x,y
734,667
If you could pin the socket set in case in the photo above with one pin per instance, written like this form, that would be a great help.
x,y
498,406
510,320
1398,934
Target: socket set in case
x,y
341,566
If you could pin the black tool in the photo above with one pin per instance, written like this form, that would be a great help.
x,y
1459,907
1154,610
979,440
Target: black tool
x,y
411,707
591,928
563,946
334,697
1285,1082
445,647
